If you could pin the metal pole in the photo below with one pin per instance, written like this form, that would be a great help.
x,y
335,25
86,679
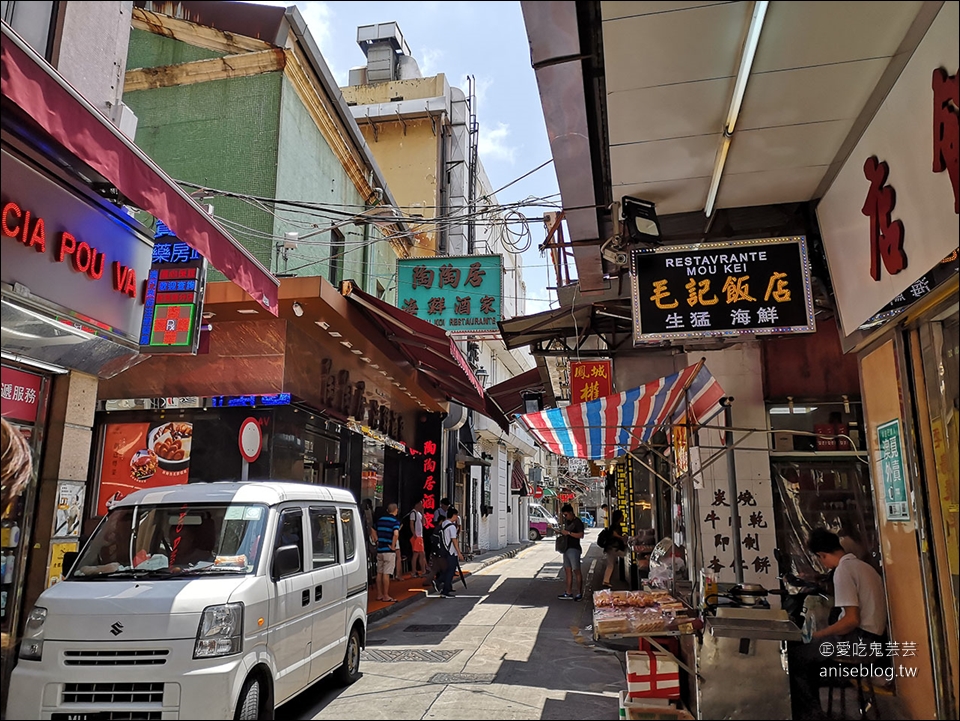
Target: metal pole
x,y
732,489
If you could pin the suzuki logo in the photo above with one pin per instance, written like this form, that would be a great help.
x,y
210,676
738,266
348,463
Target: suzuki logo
x,y
116,629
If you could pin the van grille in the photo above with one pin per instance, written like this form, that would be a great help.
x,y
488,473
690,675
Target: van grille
x,y
111,693
131,715
115,658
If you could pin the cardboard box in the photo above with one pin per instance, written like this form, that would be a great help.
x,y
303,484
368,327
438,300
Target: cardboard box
x,y
652,710
783,441
652,675
826,441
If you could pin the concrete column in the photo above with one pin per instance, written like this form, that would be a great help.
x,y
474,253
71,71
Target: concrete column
x,y
66,457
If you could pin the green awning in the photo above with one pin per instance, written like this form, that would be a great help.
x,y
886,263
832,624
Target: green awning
x,y
549,493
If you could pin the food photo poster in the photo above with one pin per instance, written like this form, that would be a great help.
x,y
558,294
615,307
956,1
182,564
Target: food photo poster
x,y
142,455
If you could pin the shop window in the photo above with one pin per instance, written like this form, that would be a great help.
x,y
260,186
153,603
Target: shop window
x,y
336,256
35,22
323,532
372,480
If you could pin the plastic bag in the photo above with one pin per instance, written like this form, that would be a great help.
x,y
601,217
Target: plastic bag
x,y
665,561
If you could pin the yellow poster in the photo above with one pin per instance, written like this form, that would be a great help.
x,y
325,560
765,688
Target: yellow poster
x,y
57,550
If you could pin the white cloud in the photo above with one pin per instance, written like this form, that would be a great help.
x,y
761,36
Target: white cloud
x,y
427,60
493,143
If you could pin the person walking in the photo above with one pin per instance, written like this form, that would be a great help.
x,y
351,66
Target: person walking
x,y
418,562
568,543
450,547
602,516
615,545
388,541
437,558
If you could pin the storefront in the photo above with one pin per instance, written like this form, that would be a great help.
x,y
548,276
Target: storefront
x,y
889,225
73,257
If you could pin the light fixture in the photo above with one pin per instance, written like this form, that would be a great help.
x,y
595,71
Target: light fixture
x,y
334,334
482,376
365,359
739,89
642,223
356,351
323,324
790,410
297,309
846,404
375,366
346,344
208,314
248,311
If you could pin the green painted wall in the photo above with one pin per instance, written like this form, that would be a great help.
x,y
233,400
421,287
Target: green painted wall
x,y
148,50
308,170
220,134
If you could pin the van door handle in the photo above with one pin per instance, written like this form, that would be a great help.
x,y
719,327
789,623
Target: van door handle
x,y
305,599
318,593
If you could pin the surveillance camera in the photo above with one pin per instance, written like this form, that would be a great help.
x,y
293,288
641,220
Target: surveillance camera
x,y
612,252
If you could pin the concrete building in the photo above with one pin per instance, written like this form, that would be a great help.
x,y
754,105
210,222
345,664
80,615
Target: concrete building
x,y
424,134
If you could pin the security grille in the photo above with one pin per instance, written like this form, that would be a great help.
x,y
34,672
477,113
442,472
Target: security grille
x,y
417,655
115,658
111,693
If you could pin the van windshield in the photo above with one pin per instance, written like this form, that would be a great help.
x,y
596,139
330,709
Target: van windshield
x,y
172,541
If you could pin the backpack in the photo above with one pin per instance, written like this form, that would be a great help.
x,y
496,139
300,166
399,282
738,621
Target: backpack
x,y
604,538
437,538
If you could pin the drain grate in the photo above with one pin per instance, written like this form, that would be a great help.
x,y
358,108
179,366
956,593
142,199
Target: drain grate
x,y
430,628
399,655
462,678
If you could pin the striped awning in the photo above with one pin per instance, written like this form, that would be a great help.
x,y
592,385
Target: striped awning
x,y
609,427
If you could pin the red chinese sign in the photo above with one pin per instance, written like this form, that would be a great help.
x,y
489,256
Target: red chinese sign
x,y
946,128
590,380
430,456
886,235
21,395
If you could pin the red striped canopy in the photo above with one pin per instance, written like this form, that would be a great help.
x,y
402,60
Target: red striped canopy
x,y
609,427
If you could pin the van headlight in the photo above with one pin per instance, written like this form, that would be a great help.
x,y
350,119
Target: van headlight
x,y
32,647
220,632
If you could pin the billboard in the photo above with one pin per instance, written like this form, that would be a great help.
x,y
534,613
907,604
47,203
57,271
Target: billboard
x,y
722,289
461,294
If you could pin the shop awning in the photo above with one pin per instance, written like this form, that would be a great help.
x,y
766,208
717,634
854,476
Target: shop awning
x,y
468,459
518,480
37,89
609,427
509,394
430,350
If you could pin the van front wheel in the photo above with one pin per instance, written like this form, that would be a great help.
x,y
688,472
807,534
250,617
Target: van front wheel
x,y
248,707
350,670
534,534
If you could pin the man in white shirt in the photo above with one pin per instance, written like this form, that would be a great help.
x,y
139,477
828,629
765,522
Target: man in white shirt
x,y
419,561
858,592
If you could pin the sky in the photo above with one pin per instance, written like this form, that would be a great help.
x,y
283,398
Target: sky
x,y
487,40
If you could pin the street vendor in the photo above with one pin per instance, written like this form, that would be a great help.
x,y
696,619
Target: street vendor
x,y
859,594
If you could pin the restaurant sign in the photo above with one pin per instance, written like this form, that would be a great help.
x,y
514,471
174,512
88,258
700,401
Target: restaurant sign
x,y
461,294
722,289
590,380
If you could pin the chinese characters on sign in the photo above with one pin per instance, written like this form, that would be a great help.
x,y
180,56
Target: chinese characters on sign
x,y
713,289
886,235
174,296
427,458
590,380
625,494
946,128
460,294
21,395
895,501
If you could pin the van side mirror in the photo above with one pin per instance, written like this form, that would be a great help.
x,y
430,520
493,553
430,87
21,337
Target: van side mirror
x,y
286,561
69,558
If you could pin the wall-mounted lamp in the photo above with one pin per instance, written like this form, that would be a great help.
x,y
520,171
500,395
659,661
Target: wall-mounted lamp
x,y
640,217
297,309
482,376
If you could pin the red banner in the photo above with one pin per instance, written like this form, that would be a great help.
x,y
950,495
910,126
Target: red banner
x,y
21,395
143,455
590,380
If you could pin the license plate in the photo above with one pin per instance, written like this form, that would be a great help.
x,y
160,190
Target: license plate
x,y
78,716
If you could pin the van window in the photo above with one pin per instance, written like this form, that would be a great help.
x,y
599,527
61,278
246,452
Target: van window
x,y
323,531
290,531
348,525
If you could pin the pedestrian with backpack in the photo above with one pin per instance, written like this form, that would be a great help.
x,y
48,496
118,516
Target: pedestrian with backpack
x,y
451,548
434,544
568,543
613,543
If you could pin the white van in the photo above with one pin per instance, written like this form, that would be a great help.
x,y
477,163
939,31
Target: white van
x,y
206,600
